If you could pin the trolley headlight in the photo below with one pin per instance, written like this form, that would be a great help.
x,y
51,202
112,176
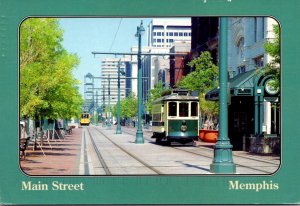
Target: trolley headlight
x,y
183,127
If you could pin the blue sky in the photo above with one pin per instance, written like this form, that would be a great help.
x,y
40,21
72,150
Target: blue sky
x,y
84,35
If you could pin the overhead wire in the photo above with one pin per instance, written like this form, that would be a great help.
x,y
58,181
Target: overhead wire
x,y
115,34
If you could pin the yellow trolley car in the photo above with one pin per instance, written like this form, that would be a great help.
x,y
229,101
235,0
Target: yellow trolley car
x,y
85,118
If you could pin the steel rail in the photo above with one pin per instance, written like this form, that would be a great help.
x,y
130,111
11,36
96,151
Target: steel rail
x,y
130,154
100,158
204,155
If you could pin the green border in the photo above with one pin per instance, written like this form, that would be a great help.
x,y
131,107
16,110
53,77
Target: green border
x,y
149,189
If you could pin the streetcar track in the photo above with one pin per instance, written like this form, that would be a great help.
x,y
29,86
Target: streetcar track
x,y
130,154
209,149
100,158
240,156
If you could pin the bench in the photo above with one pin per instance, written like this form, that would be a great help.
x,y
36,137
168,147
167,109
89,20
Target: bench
x,y
69,130
23,143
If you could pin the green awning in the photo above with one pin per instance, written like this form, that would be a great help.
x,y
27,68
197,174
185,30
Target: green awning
x,y
240,85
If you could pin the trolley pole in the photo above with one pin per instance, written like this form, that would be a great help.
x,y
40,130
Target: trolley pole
x,y
223,162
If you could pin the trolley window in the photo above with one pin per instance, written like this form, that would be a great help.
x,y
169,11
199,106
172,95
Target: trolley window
x,y
172,108
183,109
156,117
85,116
194,109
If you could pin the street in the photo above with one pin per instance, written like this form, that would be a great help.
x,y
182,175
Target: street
x,y
94,150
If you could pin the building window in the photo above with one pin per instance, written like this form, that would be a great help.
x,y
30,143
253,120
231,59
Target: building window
x,y
163,40
167,33
175,33
154,33
180,34
170,33
185,34
255,29
241,69
158,40
171,40
154,40
190,34
263,28
240,46
259,61
158,33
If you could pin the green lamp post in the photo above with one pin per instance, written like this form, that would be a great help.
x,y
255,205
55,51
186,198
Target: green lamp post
x,y
223,162
118,130
108,118
104,118
139,133
97,109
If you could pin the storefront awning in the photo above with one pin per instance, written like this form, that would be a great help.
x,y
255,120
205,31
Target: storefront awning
x,y
240,85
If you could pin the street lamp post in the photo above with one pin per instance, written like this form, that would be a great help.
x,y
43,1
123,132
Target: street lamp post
x,y
146,112
97,108
103,108
223,162
119,131
108,118
139,133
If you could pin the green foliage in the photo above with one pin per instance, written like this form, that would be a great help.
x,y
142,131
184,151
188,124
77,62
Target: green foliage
x,y
114,110
47,86
129,107
209,109
154,94
202,79
272,47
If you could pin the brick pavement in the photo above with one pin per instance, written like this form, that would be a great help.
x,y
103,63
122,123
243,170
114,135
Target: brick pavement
x,y
62,159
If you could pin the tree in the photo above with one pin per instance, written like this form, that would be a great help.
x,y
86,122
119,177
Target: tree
x,y
202,79
272,47
154,94
128,107
47,86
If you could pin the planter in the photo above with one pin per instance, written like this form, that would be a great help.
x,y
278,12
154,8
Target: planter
x,y
207,135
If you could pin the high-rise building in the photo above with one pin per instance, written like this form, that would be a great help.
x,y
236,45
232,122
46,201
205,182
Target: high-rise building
x,y
162,32
205,36
178,68
110,68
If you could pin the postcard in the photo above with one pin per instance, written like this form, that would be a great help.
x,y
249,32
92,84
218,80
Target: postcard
x,y
138,102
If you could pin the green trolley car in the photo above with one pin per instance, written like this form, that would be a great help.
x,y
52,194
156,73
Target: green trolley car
x,y
175,118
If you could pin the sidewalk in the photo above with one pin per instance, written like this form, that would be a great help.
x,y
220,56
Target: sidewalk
x,y
62,159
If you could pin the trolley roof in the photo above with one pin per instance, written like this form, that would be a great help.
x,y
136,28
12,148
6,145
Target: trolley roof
x,y
176,97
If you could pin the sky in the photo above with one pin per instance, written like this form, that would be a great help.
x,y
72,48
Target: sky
x,y
85,35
